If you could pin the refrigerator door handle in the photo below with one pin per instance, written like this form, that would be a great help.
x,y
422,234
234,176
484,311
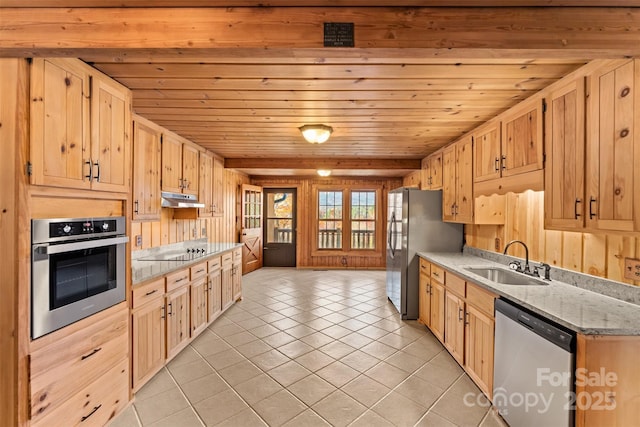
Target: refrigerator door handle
x,y
392,227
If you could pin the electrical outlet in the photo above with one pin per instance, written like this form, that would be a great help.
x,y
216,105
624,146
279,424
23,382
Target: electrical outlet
x,y
632,269
139,240
194,232
203,232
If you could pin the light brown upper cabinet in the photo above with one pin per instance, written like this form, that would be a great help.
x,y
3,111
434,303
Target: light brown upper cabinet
x,y
508,151
180,165
210,185
432,172
218,187
486,152
564,169
457,181
146,169
205,184
613,148
604,196
80,127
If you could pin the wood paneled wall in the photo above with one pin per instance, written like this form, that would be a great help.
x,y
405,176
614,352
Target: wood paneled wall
x,y
596,254
13,108
306,216
216,229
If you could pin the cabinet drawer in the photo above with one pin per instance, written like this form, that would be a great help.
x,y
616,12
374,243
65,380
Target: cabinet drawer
x,y
93,405
61,369
437,273
177,279
92,333
148,292
455,284
213,264
481,299
198,270
425,267
237,256
227,259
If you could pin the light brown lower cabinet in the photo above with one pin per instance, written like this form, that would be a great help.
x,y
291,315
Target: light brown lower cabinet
x,y
170,311
461,317
227,281
199,291
607,378
214,290
177,309
454,325
424,299
478,349
80,374
236,274
437,300
148,329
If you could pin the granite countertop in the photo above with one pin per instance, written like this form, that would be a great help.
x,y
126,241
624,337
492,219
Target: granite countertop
x,y
142,271
578,309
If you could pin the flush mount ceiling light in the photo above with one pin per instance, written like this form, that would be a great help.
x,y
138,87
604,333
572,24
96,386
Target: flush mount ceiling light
x,y
324,172
316,134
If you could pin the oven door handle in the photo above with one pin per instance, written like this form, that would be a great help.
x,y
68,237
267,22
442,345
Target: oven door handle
x,y
77,246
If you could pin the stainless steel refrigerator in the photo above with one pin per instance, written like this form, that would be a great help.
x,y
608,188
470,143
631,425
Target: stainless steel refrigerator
x,y
414,224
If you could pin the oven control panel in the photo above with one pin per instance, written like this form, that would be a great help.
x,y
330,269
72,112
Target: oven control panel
x,y
48,230
78,228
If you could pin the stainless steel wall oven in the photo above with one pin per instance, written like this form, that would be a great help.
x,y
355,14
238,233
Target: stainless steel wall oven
x,y
77,269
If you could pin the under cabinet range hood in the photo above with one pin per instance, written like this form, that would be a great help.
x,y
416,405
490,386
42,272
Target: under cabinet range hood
x,y
178,200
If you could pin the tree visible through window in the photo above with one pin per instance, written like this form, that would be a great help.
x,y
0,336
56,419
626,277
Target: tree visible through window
x,y
330,219
363,220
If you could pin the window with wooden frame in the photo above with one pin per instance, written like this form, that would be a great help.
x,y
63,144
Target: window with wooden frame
x,y
330,208
363,220
347,220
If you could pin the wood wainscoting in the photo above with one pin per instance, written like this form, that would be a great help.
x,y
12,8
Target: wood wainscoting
x,y
307,255
600,254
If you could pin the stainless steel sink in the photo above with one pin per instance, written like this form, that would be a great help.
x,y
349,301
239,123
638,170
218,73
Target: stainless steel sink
x,y
506,277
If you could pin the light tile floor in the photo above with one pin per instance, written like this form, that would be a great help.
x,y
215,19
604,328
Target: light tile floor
x,y
311,348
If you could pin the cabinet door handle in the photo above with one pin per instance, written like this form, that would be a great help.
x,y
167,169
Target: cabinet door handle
x,y
179,280
98,174
90,413
151,292
200,271
170,310
90,176
181,184
459,313
503,162
592,212
575,208
86,356
136,205
162,312
466,318
497,164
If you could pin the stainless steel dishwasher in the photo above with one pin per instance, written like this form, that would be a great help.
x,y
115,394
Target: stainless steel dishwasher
x,y
534,360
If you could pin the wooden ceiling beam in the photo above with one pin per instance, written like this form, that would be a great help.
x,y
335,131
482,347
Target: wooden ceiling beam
x,y
306,3
320,162
593,32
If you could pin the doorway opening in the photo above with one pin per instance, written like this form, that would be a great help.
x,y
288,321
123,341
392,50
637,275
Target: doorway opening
x,y
279,237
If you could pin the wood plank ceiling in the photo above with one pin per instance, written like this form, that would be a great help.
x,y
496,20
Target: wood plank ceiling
x,y
395,104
